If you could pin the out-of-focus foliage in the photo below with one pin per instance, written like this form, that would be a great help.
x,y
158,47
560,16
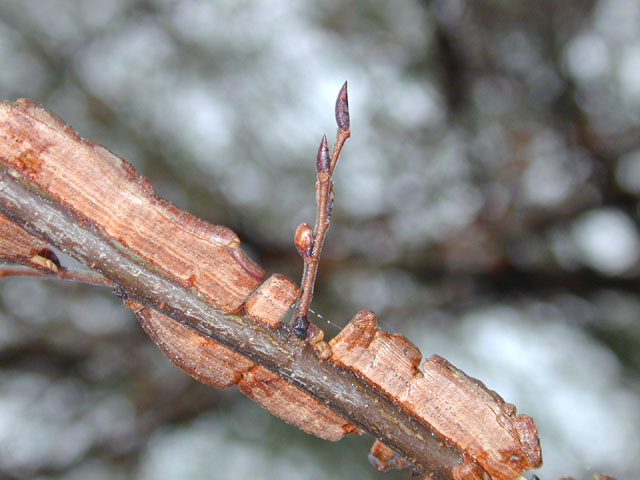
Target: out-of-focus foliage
x,y
486,206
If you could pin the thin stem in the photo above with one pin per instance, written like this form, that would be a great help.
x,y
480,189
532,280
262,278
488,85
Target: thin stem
x,y
341,137
71,275
16,270
324,186
324,199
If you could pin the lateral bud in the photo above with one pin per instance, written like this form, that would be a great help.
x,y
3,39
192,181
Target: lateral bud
x,y
323,160
342,108
304,239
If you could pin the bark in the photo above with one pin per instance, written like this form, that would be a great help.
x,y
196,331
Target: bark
x,y
206,305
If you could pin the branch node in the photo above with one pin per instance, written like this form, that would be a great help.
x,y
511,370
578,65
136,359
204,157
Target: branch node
x,y
301,326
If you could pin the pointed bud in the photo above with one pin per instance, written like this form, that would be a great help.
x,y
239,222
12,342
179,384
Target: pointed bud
x,y
323,160
304,239
342,108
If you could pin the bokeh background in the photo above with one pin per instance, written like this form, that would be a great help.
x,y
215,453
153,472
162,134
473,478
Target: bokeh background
x,y
486,207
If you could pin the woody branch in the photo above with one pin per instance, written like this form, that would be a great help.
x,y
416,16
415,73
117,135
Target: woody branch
x,y
340,389
194,273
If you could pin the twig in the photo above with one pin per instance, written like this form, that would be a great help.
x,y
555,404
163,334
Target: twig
x,y
309,244
69,274
17,270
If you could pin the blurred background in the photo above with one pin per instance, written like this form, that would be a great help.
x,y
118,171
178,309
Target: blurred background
x,y
486,207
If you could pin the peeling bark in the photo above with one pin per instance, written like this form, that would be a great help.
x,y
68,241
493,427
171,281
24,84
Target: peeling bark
x,y
108,193
214,364
458,408
18,246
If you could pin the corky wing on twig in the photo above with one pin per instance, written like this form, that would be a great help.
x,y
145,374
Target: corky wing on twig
x,y
205,303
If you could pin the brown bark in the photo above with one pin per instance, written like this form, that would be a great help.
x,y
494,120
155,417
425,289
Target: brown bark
x,y
200,298
214,364
18,246
458,407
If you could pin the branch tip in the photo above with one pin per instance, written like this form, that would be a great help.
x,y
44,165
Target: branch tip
x,y
342,108
309,242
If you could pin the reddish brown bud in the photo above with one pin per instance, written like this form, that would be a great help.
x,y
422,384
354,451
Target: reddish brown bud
x,y
304,239
342,108
323,160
